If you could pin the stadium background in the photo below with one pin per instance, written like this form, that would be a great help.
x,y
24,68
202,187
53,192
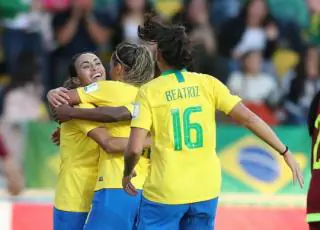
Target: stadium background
x,y
257,190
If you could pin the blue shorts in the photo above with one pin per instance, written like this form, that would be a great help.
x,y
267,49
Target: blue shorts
x,y
194,216
113,209
63,220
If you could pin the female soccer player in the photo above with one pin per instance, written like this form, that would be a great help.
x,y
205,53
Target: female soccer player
x,y
79,154
112,208
178,109
313,199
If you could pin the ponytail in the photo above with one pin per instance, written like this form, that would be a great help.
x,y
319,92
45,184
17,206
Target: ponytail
x,y
172,41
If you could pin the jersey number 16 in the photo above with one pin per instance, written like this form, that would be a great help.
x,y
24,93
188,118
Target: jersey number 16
x,y
187,127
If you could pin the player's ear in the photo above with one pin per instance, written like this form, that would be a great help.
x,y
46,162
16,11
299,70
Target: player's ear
x,y
159,57
118,69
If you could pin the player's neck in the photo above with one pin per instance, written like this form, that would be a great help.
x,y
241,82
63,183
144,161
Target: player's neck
x,y
166,69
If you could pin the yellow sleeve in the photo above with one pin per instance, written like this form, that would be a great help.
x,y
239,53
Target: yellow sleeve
x,y
223,99
141,115
96,92
84,125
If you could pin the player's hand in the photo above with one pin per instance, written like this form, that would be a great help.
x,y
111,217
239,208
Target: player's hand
x,y
55,137
62,113
57,97
127,184
295,168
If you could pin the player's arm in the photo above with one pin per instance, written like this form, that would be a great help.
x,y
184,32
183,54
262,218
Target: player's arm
x,y
140,126
60,96
254,123
232,106
92,93
100,114
112,144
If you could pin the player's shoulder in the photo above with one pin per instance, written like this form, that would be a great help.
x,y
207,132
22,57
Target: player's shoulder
x,y
205,80
108,86
151,85
198,76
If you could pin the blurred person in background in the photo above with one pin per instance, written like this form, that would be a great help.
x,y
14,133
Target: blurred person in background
x,y
129,18
256,88
22,100
222,10
195,17
303,87
253,29
11,172
79,28
22,103
21,20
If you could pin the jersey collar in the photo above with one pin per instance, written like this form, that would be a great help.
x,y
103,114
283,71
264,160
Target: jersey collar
x,y
177,73
172,71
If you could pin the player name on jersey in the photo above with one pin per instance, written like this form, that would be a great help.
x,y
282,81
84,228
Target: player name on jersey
x,y
182,93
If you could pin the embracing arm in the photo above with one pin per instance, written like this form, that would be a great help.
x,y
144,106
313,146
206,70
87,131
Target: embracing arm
x,y
112,144
60,96
100,114
107,142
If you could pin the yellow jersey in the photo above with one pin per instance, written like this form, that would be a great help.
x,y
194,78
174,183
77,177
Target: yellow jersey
x,y
178,109
78,168
111,165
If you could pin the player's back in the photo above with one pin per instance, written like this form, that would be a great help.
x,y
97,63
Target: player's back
x,y
313,200
184,165
78,168
114,93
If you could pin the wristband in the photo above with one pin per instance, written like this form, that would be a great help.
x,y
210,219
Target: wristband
x,y
285,151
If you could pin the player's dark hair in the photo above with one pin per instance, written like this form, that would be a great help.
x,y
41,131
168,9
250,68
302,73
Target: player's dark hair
x,y
313,113
72,71
137,61
172,40
72,82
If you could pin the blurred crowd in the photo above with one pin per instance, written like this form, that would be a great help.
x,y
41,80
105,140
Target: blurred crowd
x,y
266,51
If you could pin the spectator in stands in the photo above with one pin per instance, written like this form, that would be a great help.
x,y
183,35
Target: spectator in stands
x,y
22,103
22,100
195,17
79,28
257,89
250,83
303,87
253,29
129,18
21,22
12,173
222,10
